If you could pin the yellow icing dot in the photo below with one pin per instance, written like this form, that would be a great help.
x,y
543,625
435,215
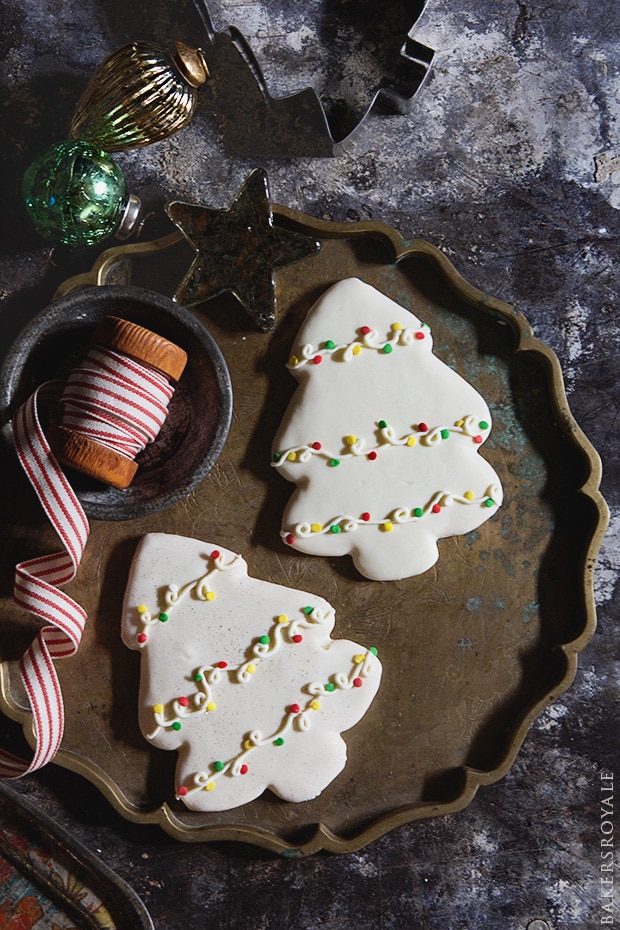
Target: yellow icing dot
x,y
395,327
291,456
411,441
210,595
469,495
459,422
282,618
251,669
356,350
158,708
316,705
293,360
359,657
211,705
316,527
143,609
349,440
210,786
388,527
248,744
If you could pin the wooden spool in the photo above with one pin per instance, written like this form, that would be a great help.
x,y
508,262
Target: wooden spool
x,y
89,456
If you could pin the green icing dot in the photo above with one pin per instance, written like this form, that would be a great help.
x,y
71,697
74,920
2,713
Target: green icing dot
x,y
382,424
276,456
197,677
330,686
176,725
374,650
489,502
278,742
163,617
218,766
334,528
330,344
334,462
308,610
387,349
264,640
418,512
483,424
445,434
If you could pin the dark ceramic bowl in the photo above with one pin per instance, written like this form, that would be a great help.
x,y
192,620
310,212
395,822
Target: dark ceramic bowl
x,y
199,415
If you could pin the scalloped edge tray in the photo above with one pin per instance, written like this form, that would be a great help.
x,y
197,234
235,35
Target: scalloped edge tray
x,y
388,250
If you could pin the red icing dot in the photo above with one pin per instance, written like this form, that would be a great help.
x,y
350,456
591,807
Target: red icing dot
x,y
294,709
183,701
182,791
372,455
142,637
298,638
366,516
423,427
436,508
290,539
222,664
364,330
215,554
317,446
478,440
357,682
419,335
317,359
244,769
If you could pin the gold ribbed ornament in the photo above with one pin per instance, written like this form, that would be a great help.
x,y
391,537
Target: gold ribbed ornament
x,y
139,95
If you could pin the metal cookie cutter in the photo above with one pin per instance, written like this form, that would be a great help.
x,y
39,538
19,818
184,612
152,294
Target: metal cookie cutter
x,y
252,121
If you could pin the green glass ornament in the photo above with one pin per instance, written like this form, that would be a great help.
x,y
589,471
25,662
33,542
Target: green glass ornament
x,y
76,195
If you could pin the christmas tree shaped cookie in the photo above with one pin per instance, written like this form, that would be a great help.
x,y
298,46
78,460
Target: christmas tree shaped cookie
x,y
381,438
240,676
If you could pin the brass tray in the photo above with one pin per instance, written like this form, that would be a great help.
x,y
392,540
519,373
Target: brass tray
x,y
472,650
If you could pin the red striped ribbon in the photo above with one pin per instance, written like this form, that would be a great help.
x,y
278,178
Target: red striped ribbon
x,y
120,403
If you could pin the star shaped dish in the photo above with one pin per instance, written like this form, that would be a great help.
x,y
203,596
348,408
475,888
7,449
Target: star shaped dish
x,y
237,250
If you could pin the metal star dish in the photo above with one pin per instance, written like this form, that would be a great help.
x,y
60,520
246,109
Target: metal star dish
x,y
237,250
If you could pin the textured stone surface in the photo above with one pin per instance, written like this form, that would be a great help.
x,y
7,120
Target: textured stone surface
x,y
509,161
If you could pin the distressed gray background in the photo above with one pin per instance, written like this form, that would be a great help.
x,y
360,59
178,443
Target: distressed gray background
x,y
509,161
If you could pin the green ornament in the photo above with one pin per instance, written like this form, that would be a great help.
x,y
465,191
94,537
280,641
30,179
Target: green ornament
x,y
76,195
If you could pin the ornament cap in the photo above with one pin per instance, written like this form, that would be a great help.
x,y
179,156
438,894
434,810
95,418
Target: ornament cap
x,y
131,216
190,62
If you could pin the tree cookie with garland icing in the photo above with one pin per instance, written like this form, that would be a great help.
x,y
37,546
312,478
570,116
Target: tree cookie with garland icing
x,y
240,676
381,438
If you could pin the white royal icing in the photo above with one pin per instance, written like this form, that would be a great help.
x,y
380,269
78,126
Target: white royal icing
x,y
239,675
381,438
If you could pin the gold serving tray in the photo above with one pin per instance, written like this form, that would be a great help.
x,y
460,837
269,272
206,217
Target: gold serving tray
x,y
472,650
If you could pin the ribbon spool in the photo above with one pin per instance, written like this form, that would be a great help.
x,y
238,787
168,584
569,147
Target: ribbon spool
x,y
116,401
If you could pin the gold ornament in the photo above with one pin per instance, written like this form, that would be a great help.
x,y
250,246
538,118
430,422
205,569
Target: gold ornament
x,y
139,95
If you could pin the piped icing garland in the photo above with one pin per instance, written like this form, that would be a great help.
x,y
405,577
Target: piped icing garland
x,y
355,447
367,339
200,587
345,523
294,717
283,631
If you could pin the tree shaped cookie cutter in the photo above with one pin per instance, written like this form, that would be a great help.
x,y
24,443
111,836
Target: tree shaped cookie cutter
x,y
253,121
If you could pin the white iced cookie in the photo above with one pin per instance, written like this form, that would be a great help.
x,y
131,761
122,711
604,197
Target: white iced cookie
x,y
240,675
381,439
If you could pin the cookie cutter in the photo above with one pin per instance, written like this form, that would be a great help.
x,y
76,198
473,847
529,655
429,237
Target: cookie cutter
x,y
254,122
